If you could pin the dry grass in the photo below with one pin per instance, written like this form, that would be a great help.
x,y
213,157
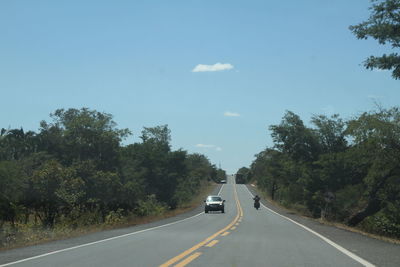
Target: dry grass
x,y
29,235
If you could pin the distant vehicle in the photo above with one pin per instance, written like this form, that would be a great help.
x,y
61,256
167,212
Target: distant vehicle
x,y
214,203
222,181
239,178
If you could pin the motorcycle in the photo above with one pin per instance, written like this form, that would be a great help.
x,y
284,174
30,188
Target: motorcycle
x,y
256,205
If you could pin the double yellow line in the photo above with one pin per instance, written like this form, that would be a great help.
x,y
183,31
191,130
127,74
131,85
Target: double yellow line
x,y
221,232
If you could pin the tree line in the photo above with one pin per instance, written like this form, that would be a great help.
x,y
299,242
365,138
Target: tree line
x,y
76,170
341,170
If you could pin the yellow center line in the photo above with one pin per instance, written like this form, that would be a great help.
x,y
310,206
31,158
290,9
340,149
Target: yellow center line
x,y
208,239
226,233
237,224
233,228
212,243
188,259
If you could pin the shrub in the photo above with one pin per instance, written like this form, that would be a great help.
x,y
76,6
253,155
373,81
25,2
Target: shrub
x,y
115,217
150,206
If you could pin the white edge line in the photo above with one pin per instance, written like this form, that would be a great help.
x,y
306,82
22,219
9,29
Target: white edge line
x,y
219,192
327,240
102,240
96,242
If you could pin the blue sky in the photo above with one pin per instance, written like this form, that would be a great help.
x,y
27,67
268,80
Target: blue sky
x,y
135,60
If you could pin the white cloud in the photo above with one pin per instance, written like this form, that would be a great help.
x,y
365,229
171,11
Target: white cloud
x,y
215,67
204,146
231,114
217,148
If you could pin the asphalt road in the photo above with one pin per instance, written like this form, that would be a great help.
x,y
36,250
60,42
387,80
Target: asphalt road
x,y
242,236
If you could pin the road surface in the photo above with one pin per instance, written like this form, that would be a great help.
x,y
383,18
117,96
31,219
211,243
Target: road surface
x,y
242,236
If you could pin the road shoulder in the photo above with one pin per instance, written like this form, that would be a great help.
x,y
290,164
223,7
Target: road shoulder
x,y
376,251
16,254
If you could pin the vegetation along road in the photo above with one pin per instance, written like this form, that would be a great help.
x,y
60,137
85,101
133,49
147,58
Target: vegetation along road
x,y
242,236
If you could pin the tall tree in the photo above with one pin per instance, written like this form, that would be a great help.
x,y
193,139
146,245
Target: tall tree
x,y
11,188
242,175
47,197
377,139
87,135
291,136
16,144
382,25
330,132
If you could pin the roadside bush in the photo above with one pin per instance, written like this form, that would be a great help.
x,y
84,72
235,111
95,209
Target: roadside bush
x,y
150,206
115,217
381,224
347,201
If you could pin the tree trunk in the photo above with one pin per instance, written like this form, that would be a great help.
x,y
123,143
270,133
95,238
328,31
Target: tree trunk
x,y
273,189
373,207
374,204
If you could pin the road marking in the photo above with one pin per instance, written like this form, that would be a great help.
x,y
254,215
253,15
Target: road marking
x,y
212,243
330,242
103,240
98,241
188,259
219,192
208,239
237,224
233,228
226,233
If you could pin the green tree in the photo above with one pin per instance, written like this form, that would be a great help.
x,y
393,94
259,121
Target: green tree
x,y
16,144
292,137
87,135
48,193
106,190
132,177
11,189
330,132
377,141
384,26
199,167
269,170
242,175
220,175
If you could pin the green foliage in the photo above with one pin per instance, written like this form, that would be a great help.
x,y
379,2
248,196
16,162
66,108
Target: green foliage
x,y
346,171
242,175
85,135
294,139
220,175
115,217
383,224
11,188
53,188
75,173
383,25
150,206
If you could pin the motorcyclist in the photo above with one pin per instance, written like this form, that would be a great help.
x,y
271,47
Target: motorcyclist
x,y
256,202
